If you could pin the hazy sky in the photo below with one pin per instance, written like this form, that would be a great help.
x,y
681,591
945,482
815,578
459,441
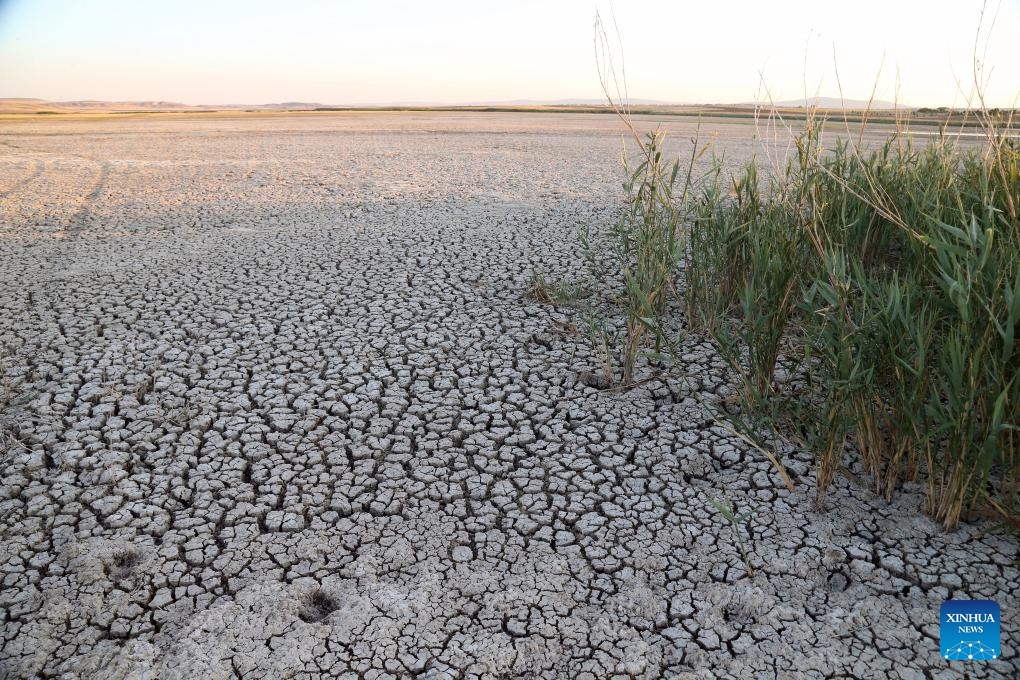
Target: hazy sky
x,y
374,51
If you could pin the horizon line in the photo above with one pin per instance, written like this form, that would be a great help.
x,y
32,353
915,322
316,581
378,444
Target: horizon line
x,y
808,102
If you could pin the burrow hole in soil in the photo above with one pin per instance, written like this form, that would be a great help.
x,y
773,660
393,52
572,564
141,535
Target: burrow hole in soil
x,y
122,564
317,605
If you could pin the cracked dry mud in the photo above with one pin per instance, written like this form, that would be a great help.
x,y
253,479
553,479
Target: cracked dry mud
x,y
290,417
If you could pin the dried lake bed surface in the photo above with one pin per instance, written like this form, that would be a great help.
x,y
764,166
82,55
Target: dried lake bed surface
x,y
286,414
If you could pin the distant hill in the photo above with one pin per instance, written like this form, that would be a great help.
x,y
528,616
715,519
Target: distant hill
x,y
29,105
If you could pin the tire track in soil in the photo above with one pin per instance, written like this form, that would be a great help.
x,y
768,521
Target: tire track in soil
x,y
37,170
75,224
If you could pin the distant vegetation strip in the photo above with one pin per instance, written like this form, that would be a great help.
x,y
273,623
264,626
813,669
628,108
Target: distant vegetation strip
x,y
934,117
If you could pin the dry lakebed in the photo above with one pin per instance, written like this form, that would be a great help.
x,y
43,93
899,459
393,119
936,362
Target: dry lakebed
x,y
277,407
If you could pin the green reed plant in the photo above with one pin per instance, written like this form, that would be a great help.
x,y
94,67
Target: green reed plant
x,y
603,341
884,278
637,263
975,406
647,243
712,279
897,345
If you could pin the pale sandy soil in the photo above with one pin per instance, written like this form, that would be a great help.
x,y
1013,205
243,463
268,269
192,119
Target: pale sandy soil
x,y
288,416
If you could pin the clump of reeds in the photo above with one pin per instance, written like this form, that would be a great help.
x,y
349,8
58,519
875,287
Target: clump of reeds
x,y
888,281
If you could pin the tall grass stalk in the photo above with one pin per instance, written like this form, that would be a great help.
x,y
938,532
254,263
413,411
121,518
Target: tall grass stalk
x,y
647,243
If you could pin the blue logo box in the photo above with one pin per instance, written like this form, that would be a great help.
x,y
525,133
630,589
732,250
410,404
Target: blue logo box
x,y
969,630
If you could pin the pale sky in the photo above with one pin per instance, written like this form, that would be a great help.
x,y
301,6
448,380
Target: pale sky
x,y
460,51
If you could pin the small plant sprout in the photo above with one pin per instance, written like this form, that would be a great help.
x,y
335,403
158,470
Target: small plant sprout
x,y
541,289
603,339
729,512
